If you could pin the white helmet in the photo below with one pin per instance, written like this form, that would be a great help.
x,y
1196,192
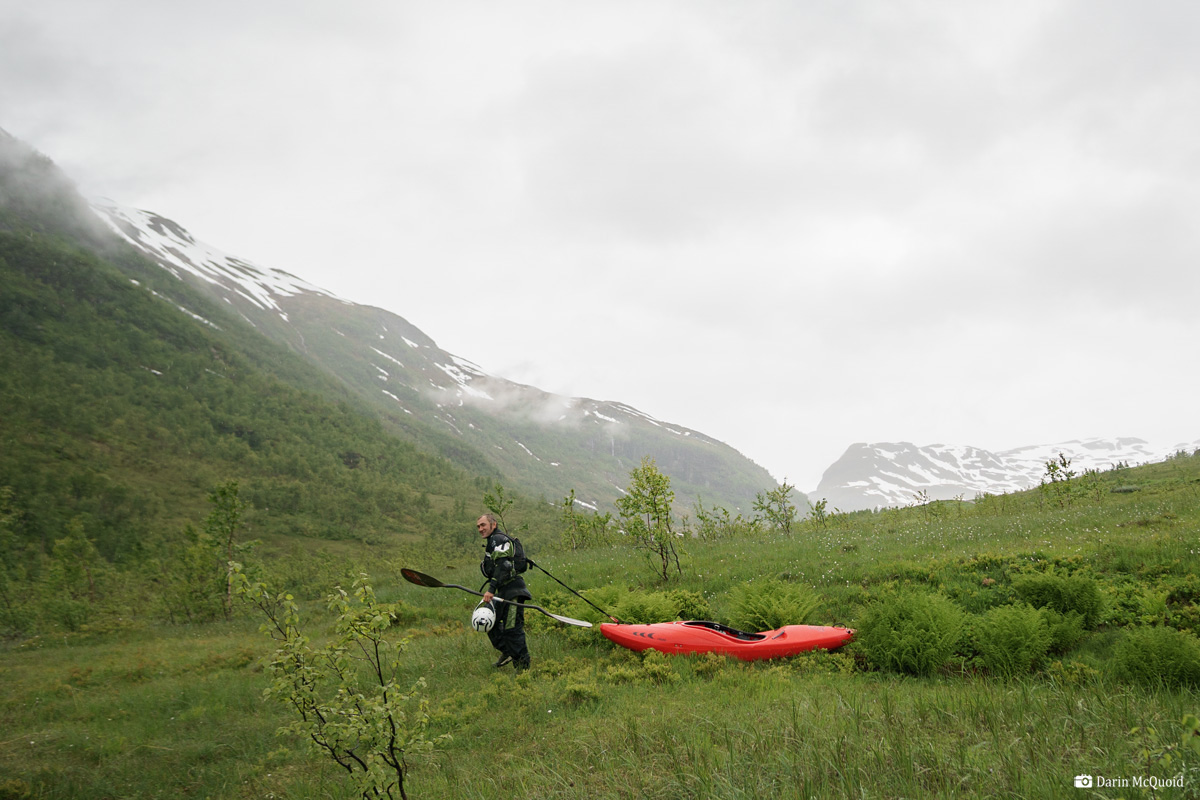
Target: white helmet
x,y
483,619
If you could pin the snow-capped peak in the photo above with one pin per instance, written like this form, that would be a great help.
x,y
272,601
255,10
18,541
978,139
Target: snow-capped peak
x,y
884,474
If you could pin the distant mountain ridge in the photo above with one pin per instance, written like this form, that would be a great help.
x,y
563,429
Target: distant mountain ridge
x,y
544,442
887,474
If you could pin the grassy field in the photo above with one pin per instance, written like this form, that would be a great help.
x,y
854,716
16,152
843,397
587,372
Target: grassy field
x,y
146,710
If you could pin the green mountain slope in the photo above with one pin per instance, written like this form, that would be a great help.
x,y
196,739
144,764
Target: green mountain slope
x,y
128,393
122,412
544,443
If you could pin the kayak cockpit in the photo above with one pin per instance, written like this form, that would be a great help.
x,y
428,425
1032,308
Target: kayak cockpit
x,y
728,631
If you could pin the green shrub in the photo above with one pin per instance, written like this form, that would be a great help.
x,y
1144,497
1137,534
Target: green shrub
x,y
658,667
606,597
1062,594
769,604
581,694
910,632
66,613
13,789
1012,640
645,608
1158,656
823,662
708,665
689,605
649,666
639,607
1066,630
1072,673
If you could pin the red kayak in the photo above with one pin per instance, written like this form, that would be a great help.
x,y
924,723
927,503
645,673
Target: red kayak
x,y
712,637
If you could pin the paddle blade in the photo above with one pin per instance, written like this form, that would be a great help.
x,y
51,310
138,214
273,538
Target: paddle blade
x,y
421,579
579,623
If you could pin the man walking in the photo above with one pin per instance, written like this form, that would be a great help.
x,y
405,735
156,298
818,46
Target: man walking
x,y
508,633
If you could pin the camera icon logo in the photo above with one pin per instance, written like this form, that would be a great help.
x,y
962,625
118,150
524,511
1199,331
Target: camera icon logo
x,y
1083,781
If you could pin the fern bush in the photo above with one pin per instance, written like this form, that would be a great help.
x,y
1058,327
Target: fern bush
x,y
910,632
1012,640
769,604
1063,594
689,605
1158,656
1066,630
638,607
606,597
646,607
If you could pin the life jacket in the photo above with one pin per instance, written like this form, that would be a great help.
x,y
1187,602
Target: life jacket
x,y
504,559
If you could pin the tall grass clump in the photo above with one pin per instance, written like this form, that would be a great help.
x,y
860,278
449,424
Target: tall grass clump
x,y
910,632
769,604
1158,656
1012,640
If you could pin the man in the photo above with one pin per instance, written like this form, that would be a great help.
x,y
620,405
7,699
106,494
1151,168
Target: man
x,y
505,582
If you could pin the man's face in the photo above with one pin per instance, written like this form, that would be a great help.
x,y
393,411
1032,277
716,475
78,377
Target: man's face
x,y
485,526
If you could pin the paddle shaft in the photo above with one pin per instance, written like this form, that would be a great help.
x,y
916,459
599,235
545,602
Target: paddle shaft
x,y
572,591
421,579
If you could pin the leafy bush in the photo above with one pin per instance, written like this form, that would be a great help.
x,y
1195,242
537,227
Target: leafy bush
x,y
911,632
1012,640
823,662
646,607
581,694
770,604
658,667
360,718
1062,594
689,605
12,789
708,665
1072,673
650,666
1066,630
1158,656
606,597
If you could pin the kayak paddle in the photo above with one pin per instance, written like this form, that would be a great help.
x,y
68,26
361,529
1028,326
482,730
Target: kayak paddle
x,y
421,579
533,563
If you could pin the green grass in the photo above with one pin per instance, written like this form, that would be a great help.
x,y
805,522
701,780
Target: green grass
x,y
147,713
157,711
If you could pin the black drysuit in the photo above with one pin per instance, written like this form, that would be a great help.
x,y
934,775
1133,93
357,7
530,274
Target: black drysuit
x,y
508,634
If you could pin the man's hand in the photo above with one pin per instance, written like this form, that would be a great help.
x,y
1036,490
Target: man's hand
x,y
487,597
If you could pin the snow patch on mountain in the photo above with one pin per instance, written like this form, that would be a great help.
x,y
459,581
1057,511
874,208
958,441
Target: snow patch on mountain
x,y
179,252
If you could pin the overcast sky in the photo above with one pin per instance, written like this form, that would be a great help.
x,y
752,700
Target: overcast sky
x,y
789,225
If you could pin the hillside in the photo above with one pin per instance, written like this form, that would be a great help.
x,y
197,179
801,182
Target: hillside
x,y
546,444
128,395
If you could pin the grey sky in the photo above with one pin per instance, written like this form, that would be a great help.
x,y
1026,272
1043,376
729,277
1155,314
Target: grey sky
x,y
792,226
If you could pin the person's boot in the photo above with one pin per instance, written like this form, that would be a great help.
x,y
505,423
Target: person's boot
x,y
504,659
